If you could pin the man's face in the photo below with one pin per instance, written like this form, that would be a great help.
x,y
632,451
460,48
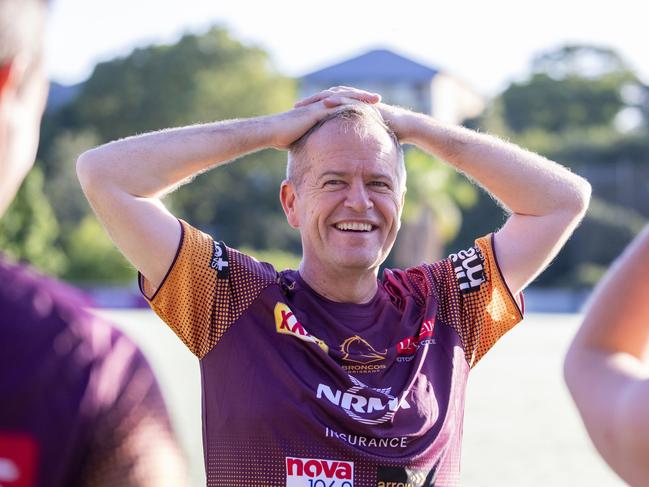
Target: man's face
x,y
348,207
23,95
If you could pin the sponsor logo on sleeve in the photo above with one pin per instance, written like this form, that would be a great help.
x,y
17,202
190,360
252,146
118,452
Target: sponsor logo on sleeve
x,y
317,472
405,477
361,355
18,455
220,260
469,269
407,348
286,323
362,403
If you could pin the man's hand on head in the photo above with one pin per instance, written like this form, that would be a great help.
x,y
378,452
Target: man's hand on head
x,y
340,95
291,125
397,118
400,120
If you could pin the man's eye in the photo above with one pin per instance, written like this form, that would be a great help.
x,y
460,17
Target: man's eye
x,y
333,182
380,184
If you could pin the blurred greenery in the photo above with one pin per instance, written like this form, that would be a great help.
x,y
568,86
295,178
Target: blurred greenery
x,y
580,105
586,108
93,254
280,259
29,229
432,216
200,78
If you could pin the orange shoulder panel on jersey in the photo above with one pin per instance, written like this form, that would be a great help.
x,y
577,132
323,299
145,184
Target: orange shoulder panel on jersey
x,y
207,288
474,299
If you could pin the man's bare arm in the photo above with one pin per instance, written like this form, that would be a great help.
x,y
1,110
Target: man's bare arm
x,y
124,180
606,370
546,200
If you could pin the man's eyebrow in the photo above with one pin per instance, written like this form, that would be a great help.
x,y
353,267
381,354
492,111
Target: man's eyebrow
x,y
380,175
340,174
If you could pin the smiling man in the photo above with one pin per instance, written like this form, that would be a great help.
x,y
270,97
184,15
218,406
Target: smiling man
x,y
326,375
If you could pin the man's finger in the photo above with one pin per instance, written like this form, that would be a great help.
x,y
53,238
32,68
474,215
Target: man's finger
x,y
312,99
338,91
352,92
336,101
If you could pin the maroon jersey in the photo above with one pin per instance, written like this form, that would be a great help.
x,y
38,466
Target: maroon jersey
x,y
79,404
299,390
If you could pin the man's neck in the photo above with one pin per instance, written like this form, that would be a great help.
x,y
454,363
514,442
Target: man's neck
x,y
348,286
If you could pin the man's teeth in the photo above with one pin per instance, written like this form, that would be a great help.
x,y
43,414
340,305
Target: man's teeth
x,y
359,227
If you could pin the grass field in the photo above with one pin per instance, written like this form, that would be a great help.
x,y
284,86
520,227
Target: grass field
x,y
520,427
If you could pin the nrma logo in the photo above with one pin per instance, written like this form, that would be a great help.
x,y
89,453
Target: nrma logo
x,y
364,404
287,323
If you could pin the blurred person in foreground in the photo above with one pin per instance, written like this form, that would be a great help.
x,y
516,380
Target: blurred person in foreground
x,y
326,375
79,405
606,367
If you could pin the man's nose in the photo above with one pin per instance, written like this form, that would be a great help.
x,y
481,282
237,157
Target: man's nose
x,y
358,198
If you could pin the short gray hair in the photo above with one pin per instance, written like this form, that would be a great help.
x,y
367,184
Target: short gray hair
x,y
355,117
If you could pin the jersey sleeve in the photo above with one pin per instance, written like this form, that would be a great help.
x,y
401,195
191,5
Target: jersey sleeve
x,y
207,288
474,298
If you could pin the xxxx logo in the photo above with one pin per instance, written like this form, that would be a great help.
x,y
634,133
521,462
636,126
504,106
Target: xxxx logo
x,y
286,323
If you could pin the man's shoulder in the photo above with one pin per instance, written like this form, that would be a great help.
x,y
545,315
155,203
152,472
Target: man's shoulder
x,y
27,294
37,308
421,280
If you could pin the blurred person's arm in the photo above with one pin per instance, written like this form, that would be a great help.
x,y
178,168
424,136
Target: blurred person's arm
x,y
606,369
545,200
125,179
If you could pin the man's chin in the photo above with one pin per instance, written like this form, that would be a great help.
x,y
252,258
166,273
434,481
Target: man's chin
x,y
358,263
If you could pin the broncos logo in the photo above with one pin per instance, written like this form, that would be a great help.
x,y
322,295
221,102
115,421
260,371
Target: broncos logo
x,y
356,349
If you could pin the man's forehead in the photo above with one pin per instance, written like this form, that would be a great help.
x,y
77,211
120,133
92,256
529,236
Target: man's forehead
x,y
349,136
351,169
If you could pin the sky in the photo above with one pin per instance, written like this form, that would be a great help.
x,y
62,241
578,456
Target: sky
x,y
488,44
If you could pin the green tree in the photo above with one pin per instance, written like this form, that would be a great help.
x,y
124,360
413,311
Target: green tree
x,y
29,230
62,186
200,78
93,256
570,110
432,214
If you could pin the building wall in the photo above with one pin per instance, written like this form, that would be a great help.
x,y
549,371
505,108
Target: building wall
x,y
453,101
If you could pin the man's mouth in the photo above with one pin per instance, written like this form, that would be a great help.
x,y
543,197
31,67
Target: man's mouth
x,y
354,227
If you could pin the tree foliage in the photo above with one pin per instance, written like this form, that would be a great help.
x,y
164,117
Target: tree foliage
x,y
29,229
201,78
575,108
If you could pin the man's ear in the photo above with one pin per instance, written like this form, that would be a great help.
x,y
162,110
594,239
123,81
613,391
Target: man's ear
x,y
288,197
7,77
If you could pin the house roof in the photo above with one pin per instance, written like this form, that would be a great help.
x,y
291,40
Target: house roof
x,y
376,65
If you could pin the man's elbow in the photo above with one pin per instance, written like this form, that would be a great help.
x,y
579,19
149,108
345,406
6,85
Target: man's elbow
x,y
577,197
89,170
